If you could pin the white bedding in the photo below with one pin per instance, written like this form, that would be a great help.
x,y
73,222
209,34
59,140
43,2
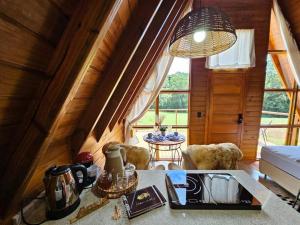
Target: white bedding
x,y
286,158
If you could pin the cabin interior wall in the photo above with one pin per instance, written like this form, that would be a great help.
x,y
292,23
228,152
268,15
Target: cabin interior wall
x,y
91,144
29,34
244,15
60,150
291,12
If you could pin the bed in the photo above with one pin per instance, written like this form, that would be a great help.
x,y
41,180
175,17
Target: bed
x,y
282,164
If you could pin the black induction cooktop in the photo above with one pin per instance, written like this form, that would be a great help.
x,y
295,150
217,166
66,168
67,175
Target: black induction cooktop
x,y
208,191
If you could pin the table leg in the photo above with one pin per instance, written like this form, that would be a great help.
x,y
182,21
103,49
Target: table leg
x,y
172,154
180,157
178,154
152,154
297,199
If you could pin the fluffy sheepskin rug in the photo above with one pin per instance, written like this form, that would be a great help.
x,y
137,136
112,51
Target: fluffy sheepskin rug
x,y
138,156
214,156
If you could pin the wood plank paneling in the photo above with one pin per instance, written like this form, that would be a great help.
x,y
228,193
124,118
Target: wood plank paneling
x,y
15,82
244,15
24,77
75,51
291,12
57,154
40,17
198,101
22,48
142,62
77,106
66,6
226,106
91,144
121,59
29,32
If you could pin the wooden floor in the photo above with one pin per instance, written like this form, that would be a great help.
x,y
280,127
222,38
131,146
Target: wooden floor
x,y
252,168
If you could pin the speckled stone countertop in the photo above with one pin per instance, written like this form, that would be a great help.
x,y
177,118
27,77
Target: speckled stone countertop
x,y
274,210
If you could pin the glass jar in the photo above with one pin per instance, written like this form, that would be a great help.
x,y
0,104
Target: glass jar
x,y
105,180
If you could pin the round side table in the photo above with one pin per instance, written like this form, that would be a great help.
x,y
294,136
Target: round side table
x,y
174,146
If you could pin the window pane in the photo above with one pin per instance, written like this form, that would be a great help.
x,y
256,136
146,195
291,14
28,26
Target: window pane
x,y
273,79
178,76
272,136
148,118
275,108
173,109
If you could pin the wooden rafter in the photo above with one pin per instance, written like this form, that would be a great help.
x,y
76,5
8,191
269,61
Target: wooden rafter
x,y
277,52
141,20
76,49
144,71
140,65
279,70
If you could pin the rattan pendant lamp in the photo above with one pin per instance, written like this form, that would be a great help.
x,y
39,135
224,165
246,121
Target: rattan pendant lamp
x,y
203,32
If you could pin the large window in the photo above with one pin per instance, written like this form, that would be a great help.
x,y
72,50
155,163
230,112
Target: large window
x,y
171,105
280,117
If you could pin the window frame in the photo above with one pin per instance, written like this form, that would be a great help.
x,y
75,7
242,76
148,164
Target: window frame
x,y
293,92
162,91
157,109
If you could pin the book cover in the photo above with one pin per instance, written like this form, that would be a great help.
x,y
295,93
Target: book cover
x,y
143,200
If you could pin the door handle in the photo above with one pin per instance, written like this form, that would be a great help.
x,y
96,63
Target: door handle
x,y
240,119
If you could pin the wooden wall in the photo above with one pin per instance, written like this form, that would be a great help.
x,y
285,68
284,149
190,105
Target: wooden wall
x,y
29,33
95,147
291,12
54,156
247,15
198,102
59,151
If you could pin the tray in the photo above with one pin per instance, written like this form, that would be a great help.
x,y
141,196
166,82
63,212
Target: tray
x,y
114,191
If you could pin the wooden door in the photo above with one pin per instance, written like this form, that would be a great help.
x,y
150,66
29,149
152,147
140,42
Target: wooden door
x,y
225,120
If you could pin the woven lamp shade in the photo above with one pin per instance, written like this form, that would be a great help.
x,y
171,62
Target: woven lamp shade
x,y
220,34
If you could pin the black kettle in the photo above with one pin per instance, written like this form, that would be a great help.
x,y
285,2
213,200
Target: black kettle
x,y
63,188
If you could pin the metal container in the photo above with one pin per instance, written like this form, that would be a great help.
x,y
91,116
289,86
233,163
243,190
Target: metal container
x,y
62,188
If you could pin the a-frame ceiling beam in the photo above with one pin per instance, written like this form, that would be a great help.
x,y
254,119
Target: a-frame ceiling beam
x,y
141,61
132,37
143,72
86,29
128,75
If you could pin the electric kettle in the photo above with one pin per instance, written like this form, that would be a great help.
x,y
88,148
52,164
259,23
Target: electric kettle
x,y
62,188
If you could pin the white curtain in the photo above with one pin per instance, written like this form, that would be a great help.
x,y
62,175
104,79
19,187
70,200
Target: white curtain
x,y
148,94
289,42
240,55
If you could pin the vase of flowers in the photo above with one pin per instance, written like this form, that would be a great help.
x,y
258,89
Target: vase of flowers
x,y
163,130
159,125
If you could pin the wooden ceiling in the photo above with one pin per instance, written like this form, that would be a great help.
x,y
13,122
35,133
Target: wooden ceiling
x,y
73,66
291,11
65,65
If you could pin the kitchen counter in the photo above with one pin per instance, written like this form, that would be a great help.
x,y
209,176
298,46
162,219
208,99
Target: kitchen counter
x,y
274,210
